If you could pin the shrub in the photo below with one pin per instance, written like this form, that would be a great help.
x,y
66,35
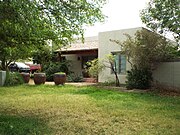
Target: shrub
x,y
74,78
13,78
139,78
94,67
61,73
54,67
107,83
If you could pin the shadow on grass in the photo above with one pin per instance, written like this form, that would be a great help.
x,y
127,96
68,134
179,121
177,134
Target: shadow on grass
x,y
18,125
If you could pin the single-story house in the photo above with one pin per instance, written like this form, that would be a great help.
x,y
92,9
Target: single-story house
x,y
98,47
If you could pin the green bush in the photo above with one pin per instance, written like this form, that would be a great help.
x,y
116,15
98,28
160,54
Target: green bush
x,y
107,83
54,67
13,78
139,78
94,67
61,73
74,78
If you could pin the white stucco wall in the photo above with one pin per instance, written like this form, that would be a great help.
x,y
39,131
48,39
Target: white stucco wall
x,y
168,74
107,47
75,63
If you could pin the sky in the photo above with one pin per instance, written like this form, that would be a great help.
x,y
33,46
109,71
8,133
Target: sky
x,y
121,14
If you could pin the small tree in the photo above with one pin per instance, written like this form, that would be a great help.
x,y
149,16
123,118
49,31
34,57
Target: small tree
x,y
147,49
109,62
95,67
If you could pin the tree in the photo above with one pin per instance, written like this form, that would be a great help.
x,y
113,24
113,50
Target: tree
x,y
110,62
144,52
96,66
42,55
163,16
24,24
147,49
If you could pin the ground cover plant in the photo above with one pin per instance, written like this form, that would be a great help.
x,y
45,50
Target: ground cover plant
x,y
45,109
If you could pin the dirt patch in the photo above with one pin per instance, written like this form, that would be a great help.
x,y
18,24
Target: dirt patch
x,y
31,82
161,92
165,92
122,89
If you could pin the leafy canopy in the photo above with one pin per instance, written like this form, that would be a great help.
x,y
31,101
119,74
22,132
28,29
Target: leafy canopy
x,y
25,24
144,52
94,67
163,16
147,49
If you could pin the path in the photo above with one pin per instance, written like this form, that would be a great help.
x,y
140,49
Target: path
x,y
31,82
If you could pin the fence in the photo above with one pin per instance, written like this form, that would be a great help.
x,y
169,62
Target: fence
x,y
168,75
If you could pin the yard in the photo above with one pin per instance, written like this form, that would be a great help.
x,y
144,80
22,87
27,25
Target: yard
x,y
46,109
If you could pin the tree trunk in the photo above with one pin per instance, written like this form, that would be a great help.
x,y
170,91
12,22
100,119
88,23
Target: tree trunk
x,y
117,79
3,65
115,73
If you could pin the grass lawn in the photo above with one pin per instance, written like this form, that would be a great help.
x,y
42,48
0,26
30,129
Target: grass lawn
x,y
70,110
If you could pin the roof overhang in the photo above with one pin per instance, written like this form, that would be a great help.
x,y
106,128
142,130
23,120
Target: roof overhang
x,y
85,51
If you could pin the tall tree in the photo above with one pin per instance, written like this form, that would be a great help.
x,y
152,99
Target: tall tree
x,y
163,16
144,52
147,49
25,24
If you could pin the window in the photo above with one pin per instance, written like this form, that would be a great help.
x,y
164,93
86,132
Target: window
x,y
120,63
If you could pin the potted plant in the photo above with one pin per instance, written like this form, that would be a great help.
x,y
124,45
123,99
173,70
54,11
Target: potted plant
x,y
59,78
25,76
2,77
39,78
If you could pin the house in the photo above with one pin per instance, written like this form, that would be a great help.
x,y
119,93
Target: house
x,y
105,47
98,47
79,53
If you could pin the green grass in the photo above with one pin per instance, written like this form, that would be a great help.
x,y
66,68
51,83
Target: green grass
x,y
86,110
